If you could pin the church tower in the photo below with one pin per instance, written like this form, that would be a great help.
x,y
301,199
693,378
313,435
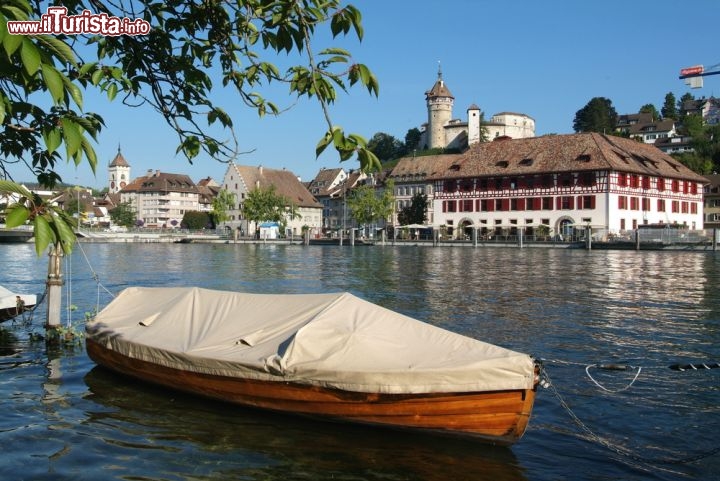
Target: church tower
x,y
118,173
439,104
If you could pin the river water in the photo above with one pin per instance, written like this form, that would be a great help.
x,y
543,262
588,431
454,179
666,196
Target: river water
x,y
62,417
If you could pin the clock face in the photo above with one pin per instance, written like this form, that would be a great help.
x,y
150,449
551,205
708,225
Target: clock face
x,y
122,184
112,185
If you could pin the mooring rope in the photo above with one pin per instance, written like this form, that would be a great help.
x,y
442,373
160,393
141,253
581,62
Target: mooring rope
x,y
547,383
96,278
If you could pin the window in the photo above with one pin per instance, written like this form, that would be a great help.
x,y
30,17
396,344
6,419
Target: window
x,y
646,182
645,204
517,204
661,185
676,186
634,203
622,180
586,202
634,181
466,205
693,208
487,205
587,179
547,203
675,206
565,202
565,180
622,202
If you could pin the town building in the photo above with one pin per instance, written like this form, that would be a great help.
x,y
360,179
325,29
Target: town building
x,y
240,180
410,176
712,202
643,127
443,132
707,108
330,187
561,182
161,199
208,189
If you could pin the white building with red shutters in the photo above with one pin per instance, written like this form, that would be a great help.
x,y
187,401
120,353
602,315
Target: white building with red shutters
x,y
562,182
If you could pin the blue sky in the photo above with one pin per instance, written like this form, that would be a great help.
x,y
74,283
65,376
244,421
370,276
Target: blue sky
x,y
544,59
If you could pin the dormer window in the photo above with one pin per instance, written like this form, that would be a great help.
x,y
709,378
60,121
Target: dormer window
x,y
502,163
583,158
526,162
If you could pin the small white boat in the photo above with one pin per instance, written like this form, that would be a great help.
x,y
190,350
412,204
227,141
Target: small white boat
x,y
333,356
13,305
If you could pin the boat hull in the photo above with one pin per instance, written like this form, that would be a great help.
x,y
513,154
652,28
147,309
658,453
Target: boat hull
x,y
499,417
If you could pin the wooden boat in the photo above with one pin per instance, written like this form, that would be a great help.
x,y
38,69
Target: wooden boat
x,y
334,356
13,304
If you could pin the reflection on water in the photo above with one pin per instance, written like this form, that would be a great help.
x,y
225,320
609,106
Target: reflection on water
x,y
153,425
64,419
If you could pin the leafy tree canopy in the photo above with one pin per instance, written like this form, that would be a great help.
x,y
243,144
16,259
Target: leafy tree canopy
x,y
669,109
367,207
191,45
196,220
123,214
385,146
598,115
264,205
221,203
416,212
650,109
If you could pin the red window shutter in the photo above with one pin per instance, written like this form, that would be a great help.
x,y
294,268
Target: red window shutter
x,y
571,203
537,203
592,201
521,204
444,208
491,205
558,203
506,204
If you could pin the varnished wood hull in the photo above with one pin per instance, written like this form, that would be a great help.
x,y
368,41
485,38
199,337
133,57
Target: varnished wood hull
x,y
500,417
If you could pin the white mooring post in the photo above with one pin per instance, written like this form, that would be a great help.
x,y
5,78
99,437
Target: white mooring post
x,y
54,286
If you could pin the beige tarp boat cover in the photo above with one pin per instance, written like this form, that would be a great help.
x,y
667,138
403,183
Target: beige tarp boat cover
x,y
331,340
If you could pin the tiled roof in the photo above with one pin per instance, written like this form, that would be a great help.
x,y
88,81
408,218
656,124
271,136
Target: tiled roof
x,y
321,185
161,182
563,153
417,168
119,160
438,90
285,182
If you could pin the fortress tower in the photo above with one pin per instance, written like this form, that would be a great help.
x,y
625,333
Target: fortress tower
x,y
439,104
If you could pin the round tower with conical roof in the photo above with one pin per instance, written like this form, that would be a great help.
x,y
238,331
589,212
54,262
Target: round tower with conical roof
x,y
439,104
118,173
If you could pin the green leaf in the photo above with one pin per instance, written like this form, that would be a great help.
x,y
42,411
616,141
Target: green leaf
x,y
71,135
59,48
112,91
53,80
30,56
16,215
96,76
52,138
74,90
8,187
12,43
44,235
65,229
86,67
89,153
323,143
